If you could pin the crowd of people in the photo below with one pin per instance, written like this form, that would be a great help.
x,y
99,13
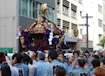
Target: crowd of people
x,y
57,63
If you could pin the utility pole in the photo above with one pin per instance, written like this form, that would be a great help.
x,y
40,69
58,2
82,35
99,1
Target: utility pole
x,y
87,17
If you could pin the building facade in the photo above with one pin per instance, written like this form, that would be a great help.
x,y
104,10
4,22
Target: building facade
x,y
70,15
103,18
95,9
15,13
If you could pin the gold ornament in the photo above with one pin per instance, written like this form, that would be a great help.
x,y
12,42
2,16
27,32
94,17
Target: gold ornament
x,y
34,23
49,20
42,20
75,32
36,19
25,30
30,27
41,23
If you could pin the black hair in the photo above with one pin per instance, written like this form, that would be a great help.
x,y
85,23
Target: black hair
x,y
81,62
76,52
26,58
96,56
95,63
100,54
103,61
60,71
18,56
87,51
53,54
61,52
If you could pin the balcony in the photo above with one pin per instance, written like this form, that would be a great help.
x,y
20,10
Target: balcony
x,y
66,14
70,36
74,17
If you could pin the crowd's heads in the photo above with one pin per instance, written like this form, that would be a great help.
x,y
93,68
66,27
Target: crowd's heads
x,y
53,55
100,56
2,57
26,59
60,71
70,50
95,63
86,54
60,59
81,61
41,56
61,54
70,59
18,56
95,57
76,54
99,71
103,61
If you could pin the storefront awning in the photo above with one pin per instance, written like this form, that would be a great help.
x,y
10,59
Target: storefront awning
x,y
70,40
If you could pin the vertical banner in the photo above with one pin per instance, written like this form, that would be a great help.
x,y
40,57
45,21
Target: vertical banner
x,y
83,38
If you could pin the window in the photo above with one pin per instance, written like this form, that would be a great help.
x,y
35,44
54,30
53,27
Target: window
x,y
73,14
100,23
26,8
81,31
65,6
65,9
99,8
73,11
23,7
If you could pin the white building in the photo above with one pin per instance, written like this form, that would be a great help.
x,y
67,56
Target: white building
x,y
94,8
70,14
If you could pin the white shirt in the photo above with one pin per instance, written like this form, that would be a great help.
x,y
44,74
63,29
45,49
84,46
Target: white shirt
x,y
14,71
32,68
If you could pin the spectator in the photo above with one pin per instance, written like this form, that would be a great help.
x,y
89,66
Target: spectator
x,y
95,63
75,54
23,69
81,53
10,71
95,57
32,68
103,53
61,55
41,64
60,71
99,71
88,60
103,63
54,64
100,57
46,60
70,60
80,72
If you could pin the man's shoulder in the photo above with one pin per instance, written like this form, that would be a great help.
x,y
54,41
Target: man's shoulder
x,y
23,65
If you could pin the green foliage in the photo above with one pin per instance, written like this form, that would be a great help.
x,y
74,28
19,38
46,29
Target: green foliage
x,y
102,42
